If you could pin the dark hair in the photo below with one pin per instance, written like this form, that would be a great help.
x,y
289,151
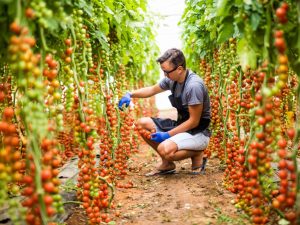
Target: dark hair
x,y
175,56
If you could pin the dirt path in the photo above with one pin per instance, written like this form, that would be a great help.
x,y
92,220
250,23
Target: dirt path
x,y
179,198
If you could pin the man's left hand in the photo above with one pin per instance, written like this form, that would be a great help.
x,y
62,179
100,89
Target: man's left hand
x,y
160,136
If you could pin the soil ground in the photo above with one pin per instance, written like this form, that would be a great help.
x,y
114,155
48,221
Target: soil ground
x,y
176,199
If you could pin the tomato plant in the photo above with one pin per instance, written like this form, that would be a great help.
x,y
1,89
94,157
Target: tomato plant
x,y
66,65
247,53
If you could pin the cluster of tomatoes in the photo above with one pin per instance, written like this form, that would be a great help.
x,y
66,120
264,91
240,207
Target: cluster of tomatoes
x,y
93,191
145,133
234,162
67,137
285,196
25,64
282,69
5,92
68,87
41,185
39,11
121,82
260,156
10,164
106,144
124,149
215,141
21,55
281,13
92,179
93,75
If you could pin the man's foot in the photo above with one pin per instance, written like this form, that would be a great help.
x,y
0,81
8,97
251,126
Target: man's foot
x,y
197,160
160,172
196,171
199,169
166,166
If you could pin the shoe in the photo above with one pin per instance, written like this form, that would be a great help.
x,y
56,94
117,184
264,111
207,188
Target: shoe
x,y
160,172
195,170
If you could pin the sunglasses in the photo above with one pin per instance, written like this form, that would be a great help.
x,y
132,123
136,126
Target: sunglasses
x,y
168,72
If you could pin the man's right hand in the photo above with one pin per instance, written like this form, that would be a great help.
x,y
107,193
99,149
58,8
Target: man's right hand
x,y
125,100
160,136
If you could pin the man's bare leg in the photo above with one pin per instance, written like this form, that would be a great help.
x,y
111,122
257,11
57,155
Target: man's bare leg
x,y
169,151
148,124
197,160
184,154
165,165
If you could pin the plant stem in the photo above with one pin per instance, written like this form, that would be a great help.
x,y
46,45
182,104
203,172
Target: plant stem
x,y
42,34
75,76
111,188
72,202
295,152
19,10
36,154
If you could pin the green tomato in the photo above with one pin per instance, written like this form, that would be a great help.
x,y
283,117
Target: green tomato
x,y
21,65
13,203
55,204
60,209
42,4
275,90
15,189
57,197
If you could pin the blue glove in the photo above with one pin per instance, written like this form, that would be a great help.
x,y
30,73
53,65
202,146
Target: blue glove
x,y
125,100
160,136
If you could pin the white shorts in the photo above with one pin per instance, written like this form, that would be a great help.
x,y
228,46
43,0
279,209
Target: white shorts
x,y
186,141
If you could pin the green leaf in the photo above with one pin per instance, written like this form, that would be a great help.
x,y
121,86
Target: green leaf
x,y
203,54
199,43
53,24
143,5
193,28
248,2
112,223
236,33
255,19
6,1
118,18
226,30
222,7
88,9
108,10
239,2
213,35
246,54
100,36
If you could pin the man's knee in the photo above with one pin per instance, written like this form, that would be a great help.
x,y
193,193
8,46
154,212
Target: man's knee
x,y
145,123
166,151
170,156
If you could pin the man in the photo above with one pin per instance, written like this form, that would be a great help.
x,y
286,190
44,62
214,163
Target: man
x,y
189,135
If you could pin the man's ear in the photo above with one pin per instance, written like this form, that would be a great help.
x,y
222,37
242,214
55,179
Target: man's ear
x,y
181,68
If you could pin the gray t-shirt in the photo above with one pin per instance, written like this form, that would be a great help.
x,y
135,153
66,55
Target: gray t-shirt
x,y
195,92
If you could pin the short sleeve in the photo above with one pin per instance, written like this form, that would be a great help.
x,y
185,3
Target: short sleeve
x,y
165,83
194,94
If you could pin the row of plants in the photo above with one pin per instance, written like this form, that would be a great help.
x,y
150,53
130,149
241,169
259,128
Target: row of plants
x,y
248,54
63,66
